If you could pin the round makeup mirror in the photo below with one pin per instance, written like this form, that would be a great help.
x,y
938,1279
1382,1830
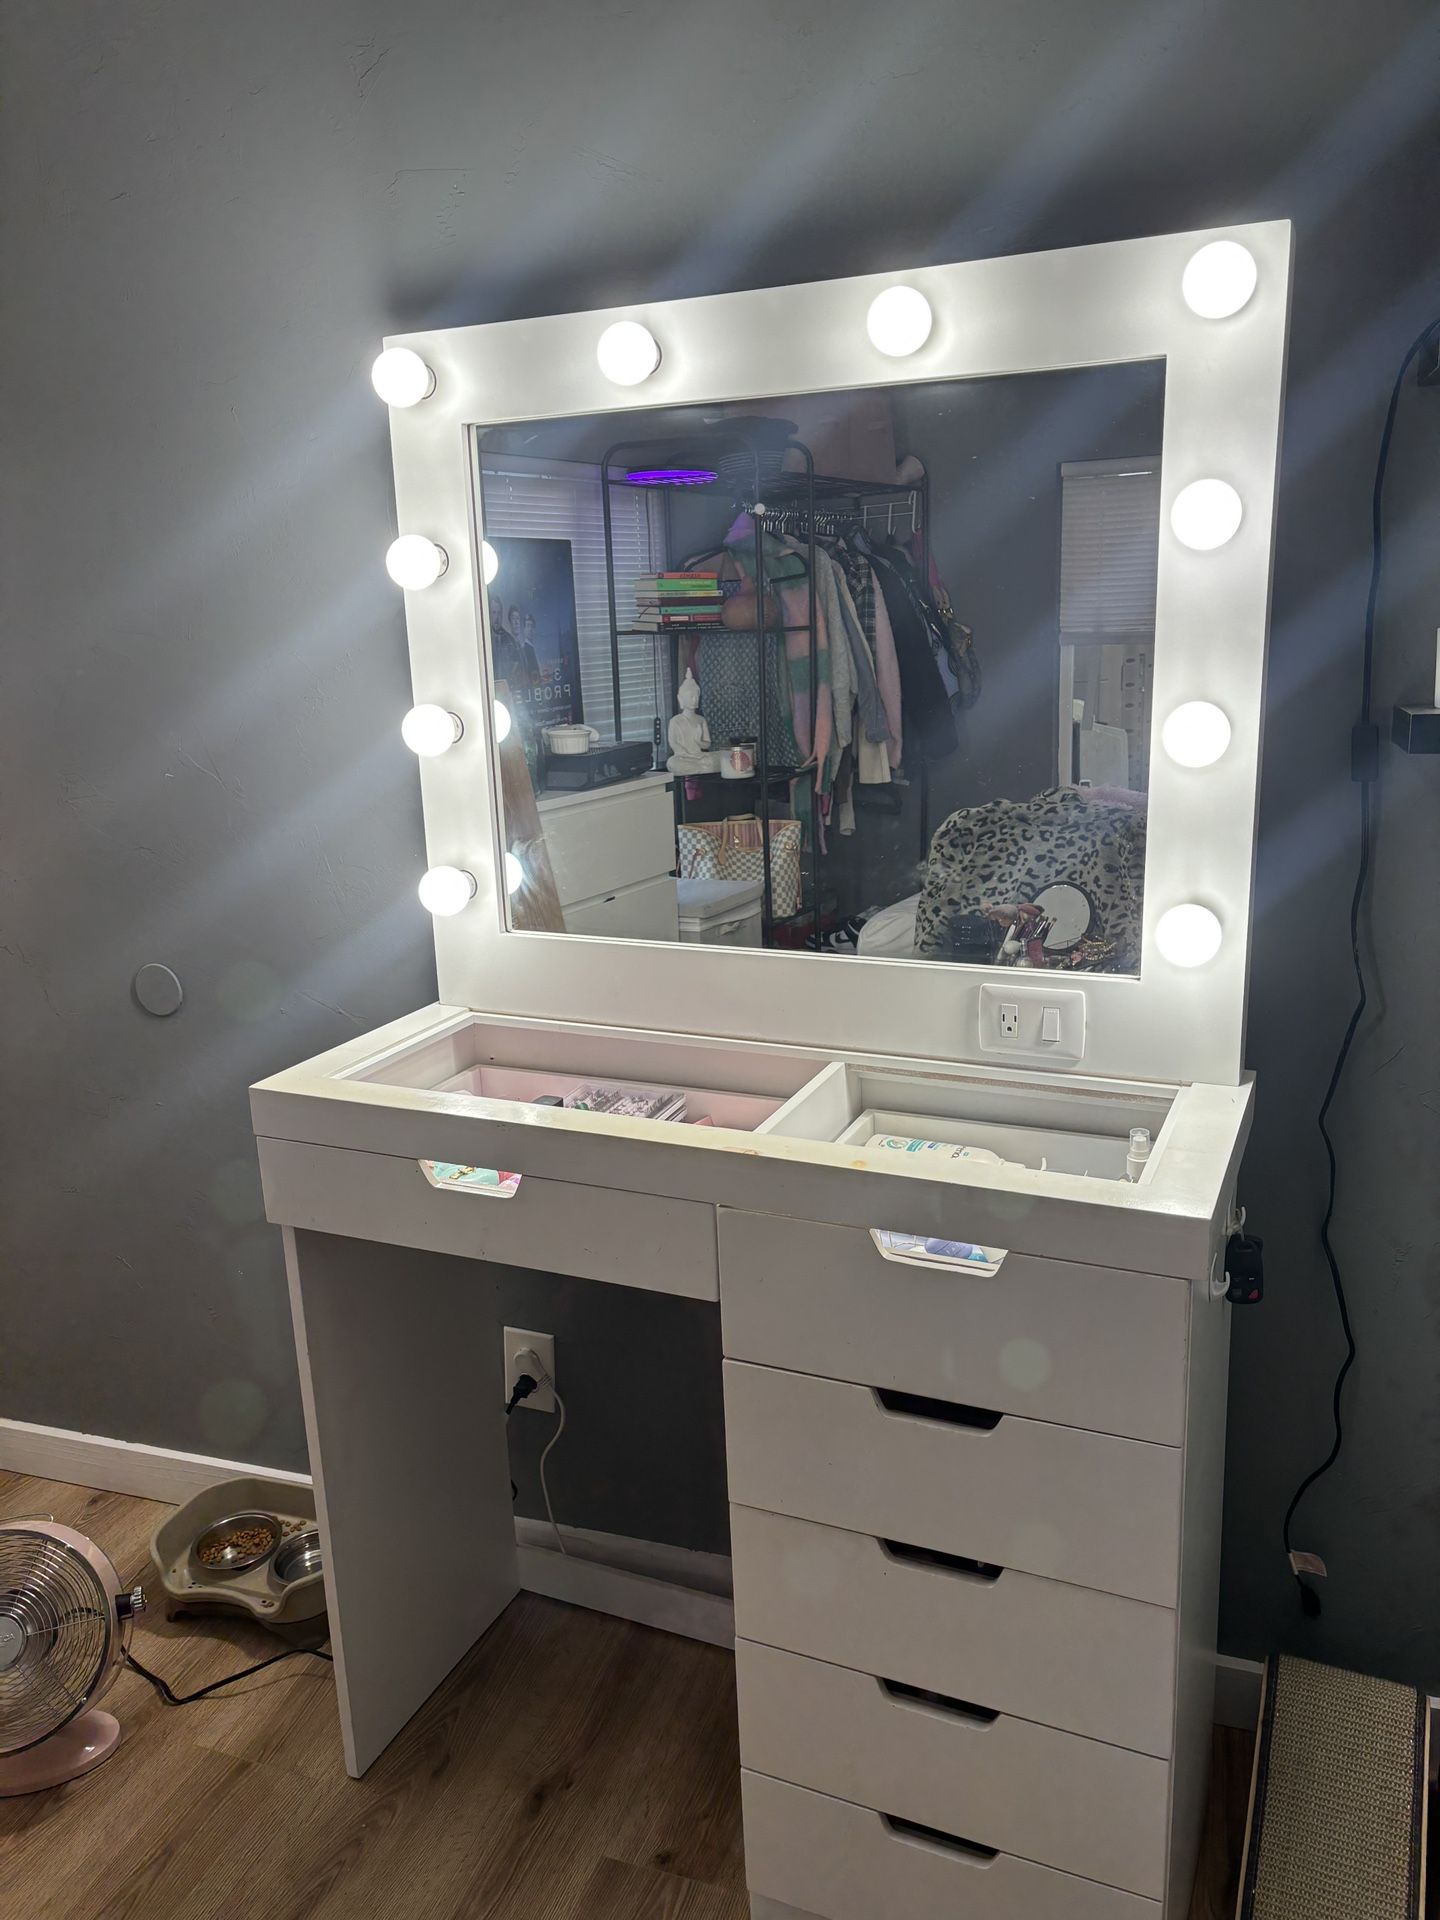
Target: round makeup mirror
x,y
1069,910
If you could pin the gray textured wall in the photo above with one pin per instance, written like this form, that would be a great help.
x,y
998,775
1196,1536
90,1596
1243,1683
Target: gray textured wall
x,y
210,213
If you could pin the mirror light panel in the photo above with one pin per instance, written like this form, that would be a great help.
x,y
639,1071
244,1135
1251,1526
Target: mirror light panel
x,y
1120,301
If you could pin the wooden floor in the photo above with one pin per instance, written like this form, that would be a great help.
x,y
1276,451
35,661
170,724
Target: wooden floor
x,y
574,1767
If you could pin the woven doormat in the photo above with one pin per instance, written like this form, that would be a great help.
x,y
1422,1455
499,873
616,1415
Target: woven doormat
x,y
1337,1801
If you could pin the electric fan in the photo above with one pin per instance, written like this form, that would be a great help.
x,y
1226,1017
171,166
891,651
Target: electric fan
x,y
64,1621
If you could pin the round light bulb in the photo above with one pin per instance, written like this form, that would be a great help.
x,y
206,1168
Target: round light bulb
x,y
899,321
447,890
401,377
502,722
514,874
430,730
1219,279
489,562
1206,514
1188,936
1196,734
628,353
414,562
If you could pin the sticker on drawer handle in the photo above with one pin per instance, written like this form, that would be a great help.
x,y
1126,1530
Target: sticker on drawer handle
x,y
451,1177
925,1250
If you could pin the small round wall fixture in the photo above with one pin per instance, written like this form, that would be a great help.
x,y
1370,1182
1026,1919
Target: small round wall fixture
x,y
401,377
1206,514
447,890
413,562
489,562
514,874
430,730
502,722
1196,734
628,353
1188,935
1219,279
899,321
158,989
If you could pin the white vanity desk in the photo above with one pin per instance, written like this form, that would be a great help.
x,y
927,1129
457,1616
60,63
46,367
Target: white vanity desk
x,y
1100,1345
975,1511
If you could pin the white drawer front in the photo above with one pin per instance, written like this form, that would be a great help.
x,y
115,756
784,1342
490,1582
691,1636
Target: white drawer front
x,y
598,1233
1034,1791
1065,1656
610,840
648,911
1084,1346
845,1862
1043,1499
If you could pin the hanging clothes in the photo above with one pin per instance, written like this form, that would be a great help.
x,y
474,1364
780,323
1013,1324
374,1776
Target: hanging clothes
x,y
925,701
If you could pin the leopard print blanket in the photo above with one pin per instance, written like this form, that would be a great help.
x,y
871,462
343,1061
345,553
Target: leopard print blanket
x,y
1005,851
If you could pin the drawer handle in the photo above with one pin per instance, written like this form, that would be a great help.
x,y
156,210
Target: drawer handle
x,y
925,1250
951,1412
914,1835
957,1563
925,1700
449,1176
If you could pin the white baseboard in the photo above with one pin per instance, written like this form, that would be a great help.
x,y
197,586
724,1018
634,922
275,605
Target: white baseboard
x,y
1237,1692
119,1466
643,1580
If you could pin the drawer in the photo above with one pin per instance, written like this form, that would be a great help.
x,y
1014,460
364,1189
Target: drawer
x,y
1090,1663
604,841
1030,1790
1024,1494
843,1862
1084,1346
598,1233
649,911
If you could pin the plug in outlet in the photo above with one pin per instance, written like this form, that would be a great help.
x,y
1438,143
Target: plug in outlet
x,y
1008,1022
517,1340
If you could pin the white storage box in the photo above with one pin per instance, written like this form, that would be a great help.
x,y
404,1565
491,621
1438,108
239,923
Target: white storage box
x,y
720,913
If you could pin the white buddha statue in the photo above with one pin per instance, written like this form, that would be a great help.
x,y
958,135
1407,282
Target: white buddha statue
x,y
690,733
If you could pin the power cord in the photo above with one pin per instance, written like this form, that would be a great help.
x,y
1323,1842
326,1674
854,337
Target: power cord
x,y
1365,769
172,1699
541,1378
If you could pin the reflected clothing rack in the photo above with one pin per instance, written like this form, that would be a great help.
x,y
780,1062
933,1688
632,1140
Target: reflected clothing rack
x,y
807,505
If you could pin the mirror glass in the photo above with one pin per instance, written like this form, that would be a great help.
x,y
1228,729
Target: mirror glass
x,y
865,673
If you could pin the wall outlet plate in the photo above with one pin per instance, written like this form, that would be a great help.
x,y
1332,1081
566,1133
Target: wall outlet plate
x,y
1032,1021
516,1341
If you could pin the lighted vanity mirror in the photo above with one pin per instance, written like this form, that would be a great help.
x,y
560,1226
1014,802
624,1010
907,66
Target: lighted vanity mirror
x,y
867,673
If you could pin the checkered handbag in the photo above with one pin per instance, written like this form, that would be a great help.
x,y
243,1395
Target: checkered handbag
x,y
734,849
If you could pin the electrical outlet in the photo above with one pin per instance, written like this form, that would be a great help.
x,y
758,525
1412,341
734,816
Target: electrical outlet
x,y
1033,1020
1008,1021
517,1339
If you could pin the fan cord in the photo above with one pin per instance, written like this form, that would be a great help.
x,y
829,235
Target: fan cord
x,y
172,1699
1367,750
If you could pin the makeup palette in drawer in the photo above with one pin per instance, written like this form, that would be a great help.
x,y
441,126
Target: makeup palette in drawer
x,y
1024,1494
1065,1656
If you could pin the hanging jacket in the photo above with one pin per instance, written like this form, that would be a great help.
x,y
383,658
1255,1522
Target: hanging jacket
x,y
929,722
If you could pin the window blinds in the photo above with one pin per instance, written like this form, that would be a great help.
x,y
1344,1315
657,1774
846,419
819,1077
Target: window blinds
x,y
559,500
1109,541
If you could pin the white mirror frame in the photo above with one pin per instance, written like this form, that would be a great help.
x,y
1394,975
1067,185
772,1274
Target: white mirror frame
x,y
1081,307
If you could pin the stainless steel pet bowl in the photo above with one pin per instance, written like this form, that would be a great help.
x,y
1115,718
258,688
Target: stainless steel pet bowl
x,y
299,1556
236,1559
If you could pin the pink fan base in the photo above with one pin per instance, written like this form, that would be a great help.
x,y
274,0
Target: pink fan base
x,y
82,1743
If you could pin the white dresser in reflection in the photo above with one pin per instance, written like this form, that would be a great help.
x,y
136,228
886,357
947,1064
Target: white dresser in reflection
x,y
613,854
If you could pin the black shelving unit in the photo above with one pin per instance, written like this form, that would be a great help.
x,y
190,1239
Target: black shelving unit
x,y
801,495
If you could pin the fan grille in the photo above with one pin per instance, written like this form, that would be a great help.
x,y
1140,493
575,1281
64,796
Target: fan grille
x,y
56,1623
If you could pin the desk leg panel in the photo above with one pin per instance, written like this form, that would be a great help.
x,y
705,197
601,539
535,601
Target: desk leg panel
x,y
402,1378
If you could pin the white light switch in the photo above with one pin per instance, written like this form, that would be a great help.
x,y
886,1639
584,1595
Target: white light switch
x,y
1033,1022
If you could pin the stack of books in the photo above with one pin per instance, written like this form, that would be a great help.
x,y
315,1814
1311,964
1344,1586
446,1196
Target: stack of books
x,y
677,600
